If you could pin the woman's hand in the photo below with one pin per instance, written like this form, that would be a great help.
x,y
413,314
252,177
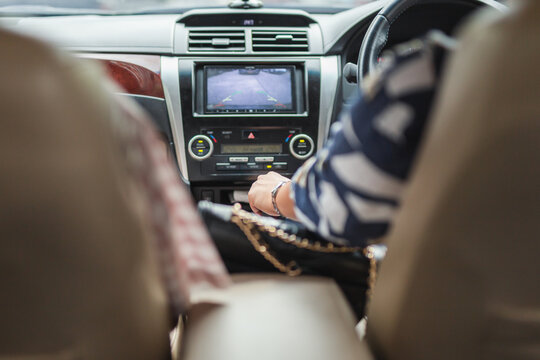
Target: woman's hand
x,y
260,195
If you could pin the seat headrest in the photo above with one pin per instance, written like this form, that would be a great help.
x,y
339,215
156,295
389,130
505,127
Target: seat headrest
x,y
76,273
460,280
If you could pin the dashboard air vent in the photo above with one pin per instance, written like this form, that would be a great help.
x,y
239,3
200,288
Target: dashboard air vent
x,y
217,40
292,41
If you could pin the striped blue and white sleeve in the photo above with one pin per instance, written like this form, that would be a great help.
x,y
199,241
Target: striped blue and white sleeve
x,y
350,191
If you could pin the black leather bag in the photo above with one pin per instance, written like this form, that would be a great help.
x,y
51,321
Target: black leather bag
x,y
251,243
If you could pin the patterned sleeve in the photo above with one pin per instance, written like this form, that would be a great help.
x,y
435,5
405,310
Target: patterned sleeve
x,y
350,191
186,255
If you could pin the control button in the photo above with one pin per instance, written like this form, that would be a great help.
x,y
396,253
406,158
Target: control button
x,y
262,159
279,166
301,146
226,167
252,166
250,134
239,159
200,147
226,134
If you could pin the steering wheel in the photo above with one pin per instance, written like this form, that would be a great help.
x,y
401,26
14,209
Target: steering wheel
x,y
377,34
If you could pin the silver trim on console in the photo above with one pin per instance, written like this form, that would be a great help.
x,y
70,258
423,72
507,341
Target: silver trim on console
x,y
330,73
171,87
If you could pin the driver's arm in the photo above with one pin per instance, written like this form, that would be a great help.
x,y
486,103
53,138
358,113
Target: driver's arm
x,y
351,189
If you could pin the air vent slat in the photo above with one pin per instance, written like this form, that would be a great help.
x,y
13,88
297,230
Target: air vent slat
x,y
265,40
217,49
271,41
212,40
299,46
196,34
277,32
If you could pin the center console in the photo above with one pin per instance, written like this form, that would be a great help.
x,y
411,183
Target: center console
x,y
241,113
248,117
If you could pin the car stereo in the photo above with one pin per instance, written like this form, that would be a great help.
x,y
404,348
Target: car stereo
x,y
244,118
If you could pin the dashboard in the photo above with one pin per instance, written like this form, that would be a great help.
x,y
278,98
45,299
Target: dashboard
x,y
236,93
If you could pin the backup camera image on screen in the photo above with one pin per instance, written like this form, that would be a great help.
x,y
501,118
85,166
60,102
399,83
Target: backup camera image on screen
x,y
249,89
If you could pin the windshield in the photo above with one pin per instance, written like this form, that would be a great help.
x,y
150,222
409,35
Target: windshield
x,y
162,6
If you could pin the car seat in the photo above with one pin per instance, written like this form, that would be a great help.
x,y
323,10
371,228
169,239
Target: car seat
x,y
461,277
77,274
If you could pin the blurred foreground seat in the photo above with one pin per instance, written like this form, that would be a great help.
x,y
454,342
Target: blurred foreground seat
x,y
268,316
461,277
77,275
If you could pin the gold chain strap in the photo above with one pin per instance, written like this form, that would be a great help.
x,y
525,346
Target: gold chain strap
x,y
372,278
251,225
254,237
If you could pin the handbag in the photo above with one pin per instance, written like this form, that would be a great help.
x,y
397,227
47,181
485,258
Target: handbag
x,y
252,243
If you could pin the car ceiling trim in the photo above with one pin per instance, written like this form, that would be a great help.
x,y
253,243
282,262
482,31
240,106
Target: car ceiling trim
x,y
171,87
329,84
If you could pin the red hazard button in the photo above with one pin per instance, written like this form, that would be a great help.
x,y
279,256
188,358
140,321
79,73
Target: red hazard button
x,y
250,134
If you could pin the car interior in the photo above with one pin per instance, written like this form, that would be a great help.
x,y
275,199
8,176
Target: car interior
x,y
237,89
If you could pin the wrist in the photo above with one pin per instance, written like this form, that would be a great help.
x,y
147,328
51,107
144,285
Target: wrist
x,y
285,202
274,194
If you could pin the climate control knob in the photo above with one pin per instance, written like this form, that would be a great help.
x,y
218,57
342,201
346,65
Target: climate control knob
x,y
200,147
301,146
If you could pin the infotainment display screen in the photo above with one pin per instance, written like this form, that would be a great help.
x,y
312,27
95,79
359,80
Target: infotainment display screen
x,y
249,89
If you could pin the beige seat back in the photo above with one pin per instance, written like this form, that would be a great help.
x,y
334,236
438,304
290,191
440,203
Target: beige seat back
x,y
77,279
462,275
273,316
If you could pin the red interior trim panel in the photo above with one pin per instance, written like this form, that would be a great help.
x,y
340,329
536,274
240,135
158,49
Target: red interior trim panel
x,y
136,74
